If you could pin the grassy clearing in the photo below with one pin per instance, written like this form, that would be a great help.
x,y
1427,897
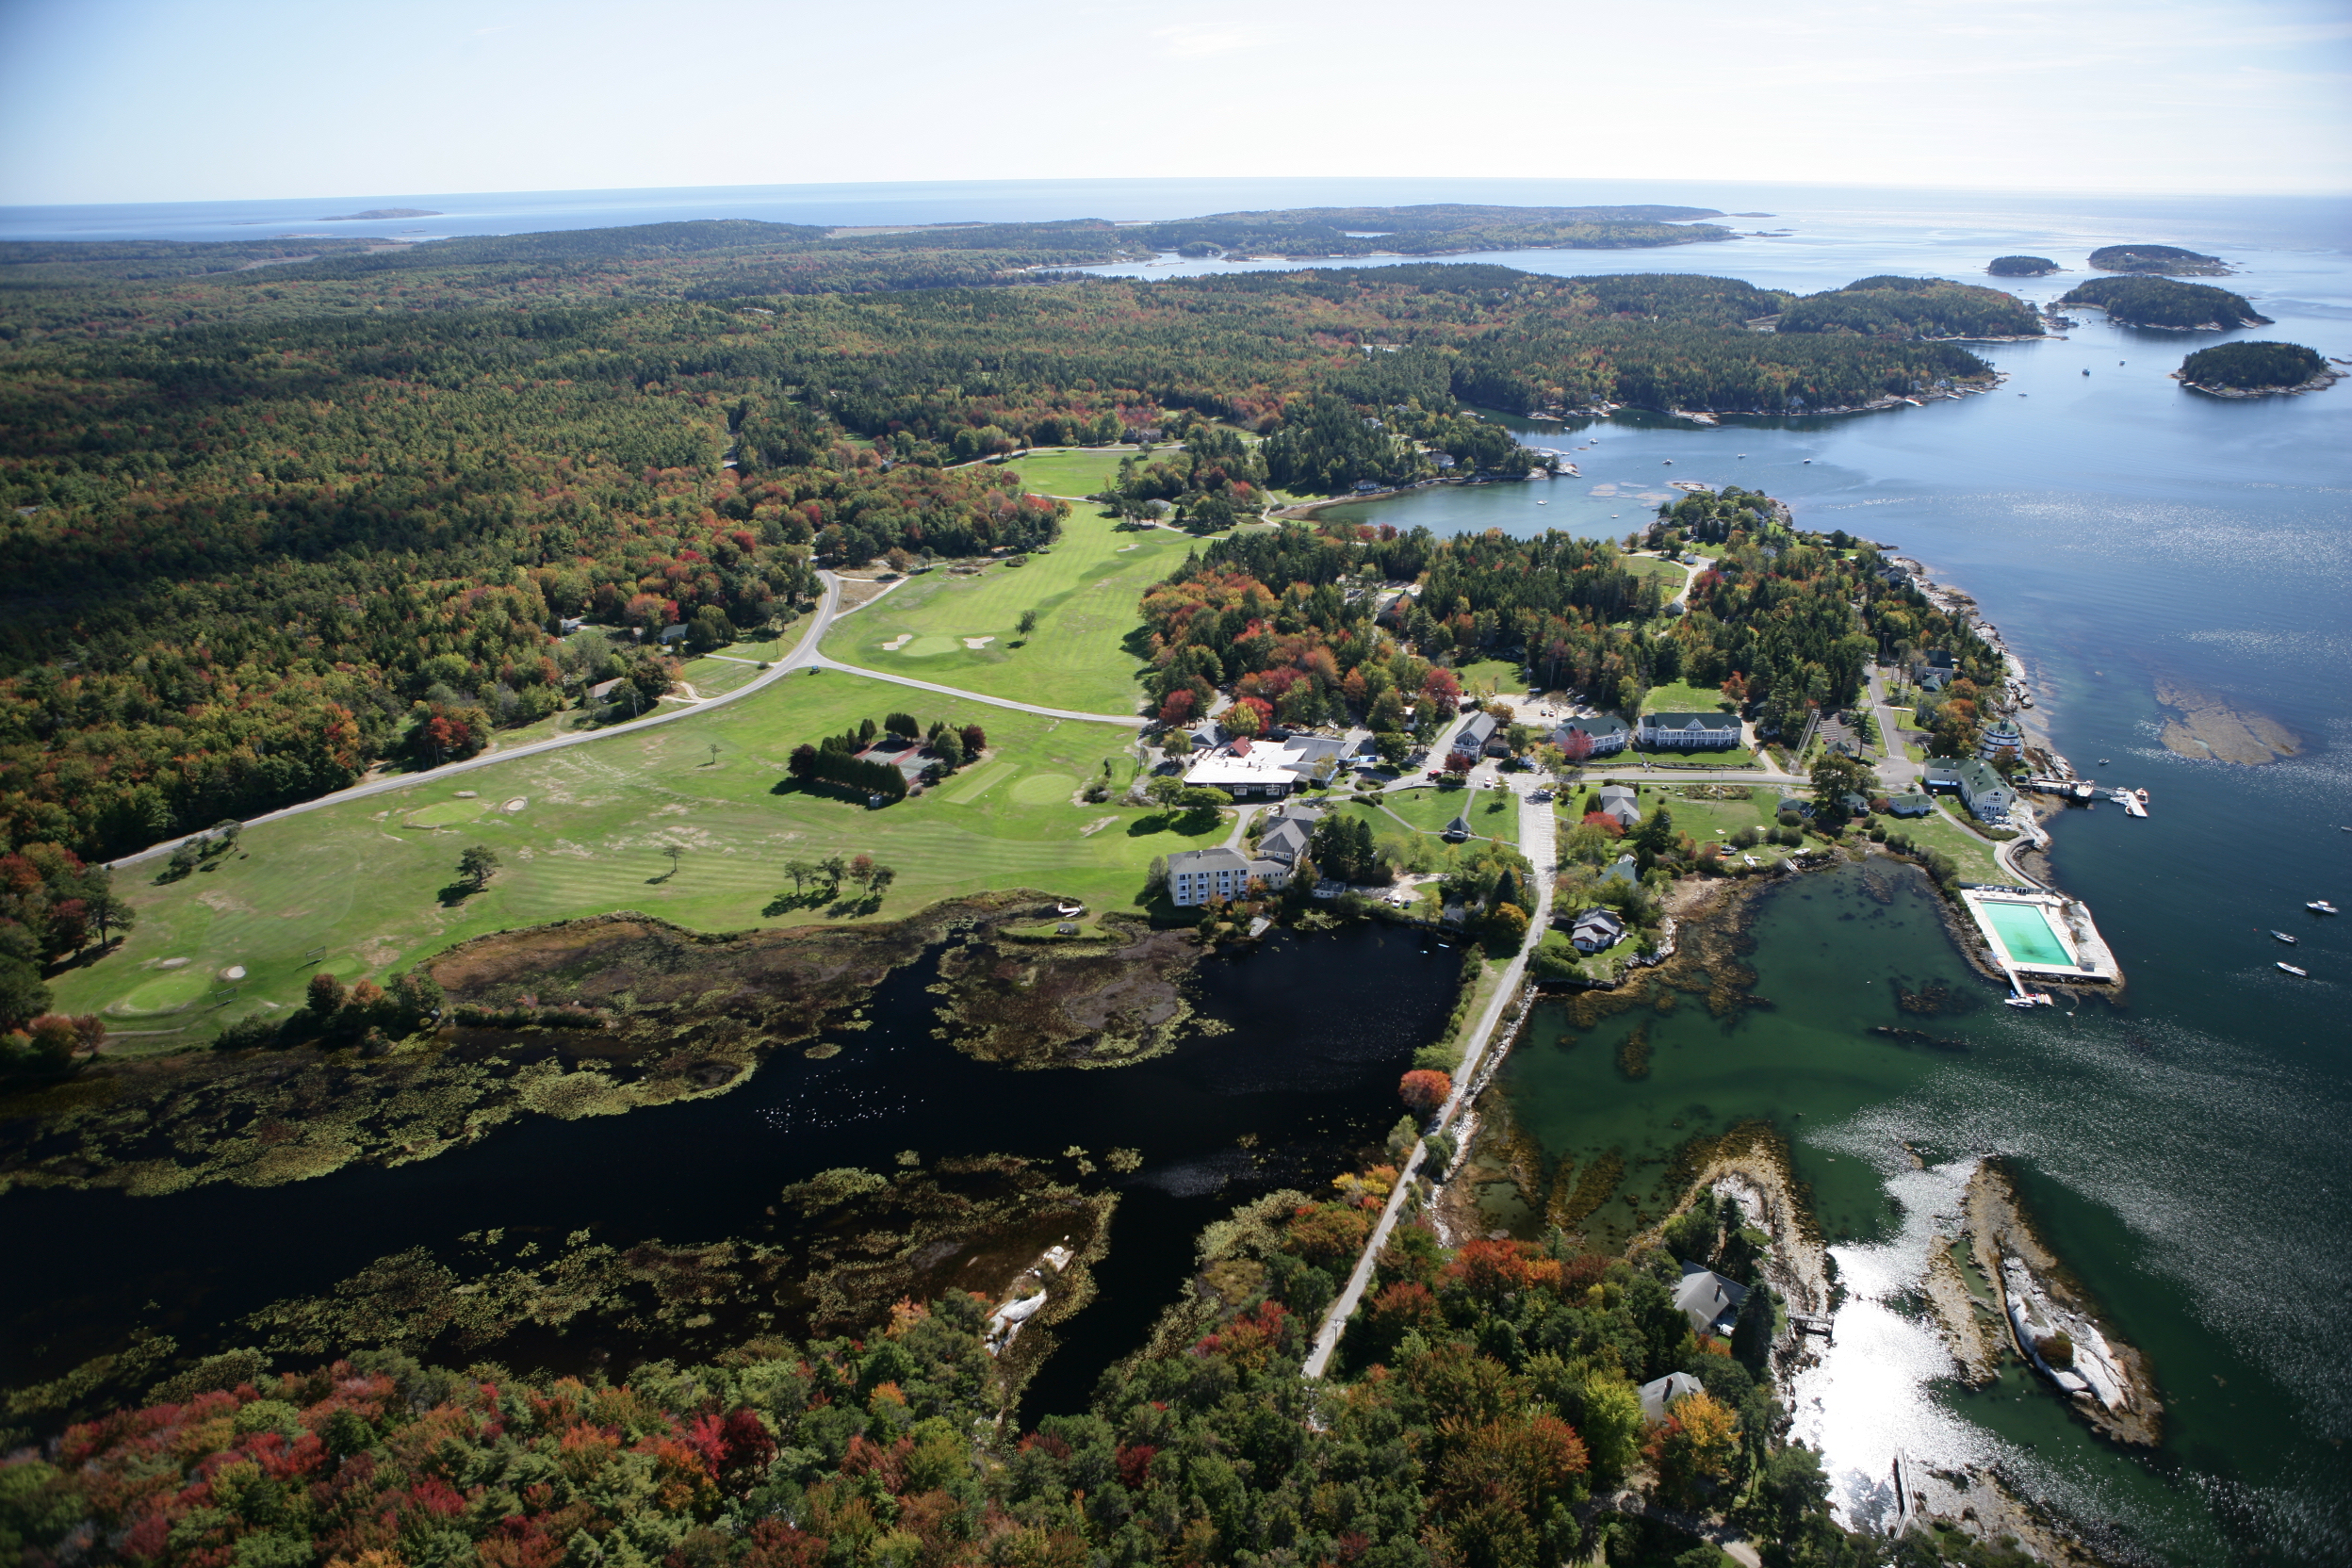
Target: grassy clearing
x,y
1085,591
1491,676
1681,697
1670,577
1942,831
1074,474
374,891
1493,814
1632,757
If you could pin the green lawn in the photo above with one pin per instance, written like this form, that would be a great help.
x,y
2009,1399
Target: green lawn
x,y
1681,697
1085,591
1077,472
1491,676
1670,576
1431,809
1942,831
1738,757
368,881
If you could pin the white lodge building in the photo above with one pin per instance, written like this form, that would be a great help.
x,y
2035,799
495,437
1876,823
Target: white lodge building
x,y
1690,732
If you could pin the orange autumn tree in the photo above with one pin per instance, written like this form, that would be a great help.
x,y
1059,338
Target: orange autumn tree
x,y
1424,1090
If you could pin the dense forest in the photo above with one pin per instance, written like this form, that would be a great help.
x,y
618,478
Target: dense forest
x,y
2021,266
1913,308
2252,366
265,527
1486,1416
2156,258
2165,302
1785,622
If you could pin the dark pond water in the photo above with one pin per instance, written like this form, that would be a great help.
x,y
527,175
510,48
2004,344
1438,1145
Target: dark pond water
x,y
1318,1029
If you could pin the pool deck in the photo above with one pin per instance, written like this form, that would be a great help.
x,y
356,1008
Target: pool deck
x,y
2069,920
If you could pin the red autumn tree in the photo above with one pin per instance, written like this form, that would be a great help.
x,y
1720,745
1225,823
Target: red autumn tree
x,y
1424,1090
1577,746
1177,709
1442,689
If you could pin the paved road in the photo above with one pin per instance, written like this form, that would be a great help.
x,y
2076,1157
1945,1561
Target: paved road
x,y
1536,843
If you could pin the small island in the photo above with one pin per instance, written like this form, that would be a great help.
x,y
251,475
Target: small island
x,y
2164,303
374,214
2021,266
2160,259
2256,370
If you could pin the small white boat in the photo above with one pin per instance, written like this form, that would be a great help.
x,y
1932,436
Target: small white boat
x,y
2298,973
2290,941
2018,1001
2322,906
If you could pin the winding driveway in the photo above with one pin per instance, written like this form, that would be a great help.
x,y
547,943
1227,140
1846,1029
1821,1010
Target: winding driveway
x,y
802,657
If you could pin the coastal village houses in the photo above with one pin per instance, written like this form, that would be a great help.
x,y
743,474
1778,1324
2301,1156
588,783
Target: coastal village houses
x,y
1608,733
1619,804
1197,875
1470,739
1989,799
1690,732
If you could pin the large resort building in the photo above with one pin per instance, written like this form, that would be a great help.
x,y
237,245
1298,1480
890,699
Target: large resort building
x,y
1690,731
1265,770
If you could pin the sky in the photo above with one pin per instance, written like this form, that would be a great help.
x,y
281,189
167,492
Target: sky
x,y
221,100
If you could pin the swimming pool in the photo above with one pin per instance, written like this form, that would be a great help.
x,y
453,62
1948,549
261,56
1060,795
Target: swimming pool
x,y
2026,932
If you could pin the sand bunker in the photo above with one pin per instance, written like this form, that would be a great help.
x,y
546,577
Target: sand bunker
x,y
516,804
898,642
235,972
977,642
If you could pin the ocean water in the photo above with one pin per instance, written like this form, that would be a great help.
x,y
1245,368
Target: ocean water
x,y
2186,1145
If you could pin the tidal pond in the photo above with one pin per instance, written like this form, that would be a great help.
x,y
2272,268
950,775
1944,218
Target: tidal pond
x,y
1291,1071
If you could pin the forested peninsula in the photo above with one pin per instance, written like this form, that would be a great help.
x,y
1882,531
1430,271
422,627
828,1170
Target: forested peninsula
x,y
2165,302
268,527
1928,309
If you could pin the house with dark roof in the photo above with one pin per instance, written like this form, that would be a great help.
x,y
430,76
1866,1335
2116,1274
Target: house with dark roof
x,y
1988,796
1470,740
1286,838
1597,930
1608,733
1657,1398
1619,804
1456,830
1710,1301
674,632
1690,732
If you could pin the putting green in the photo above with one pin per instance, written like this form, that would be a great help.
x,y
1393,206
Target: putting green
x,y
926,648
447,812
1044,788
972,785
166,994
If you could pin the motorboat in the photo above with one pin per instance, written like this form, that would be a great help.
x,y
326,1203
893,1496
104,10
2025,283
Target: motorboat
x,y
2284,937
2321,905
2298,973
